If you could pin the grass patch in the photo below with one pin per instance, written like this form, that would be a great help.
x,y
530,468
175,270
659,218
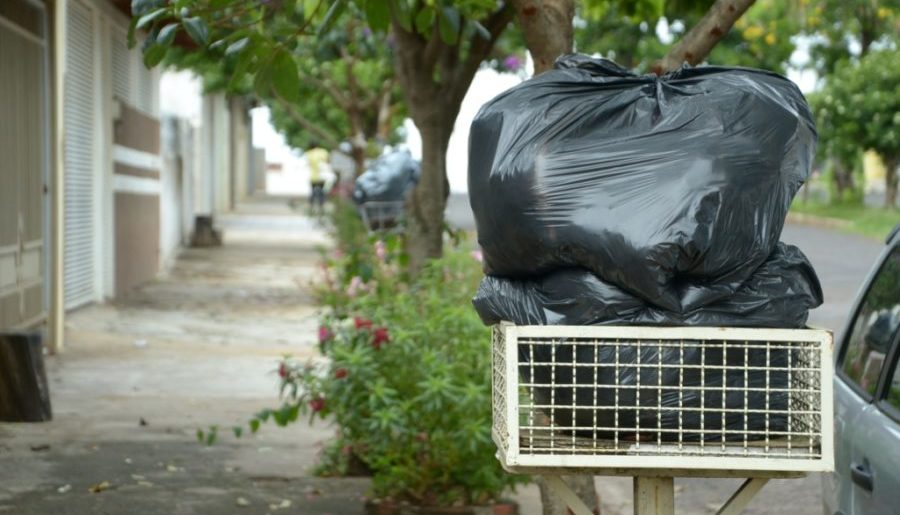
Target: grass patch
x,y
874,222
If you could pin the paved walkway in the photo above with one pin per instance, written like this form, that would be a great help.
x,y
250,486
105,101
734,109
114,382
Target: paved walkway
x,y
139,376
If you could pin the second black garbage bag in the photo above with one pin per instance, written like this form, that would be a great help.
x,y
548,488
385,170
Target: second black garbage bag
x,y
674,188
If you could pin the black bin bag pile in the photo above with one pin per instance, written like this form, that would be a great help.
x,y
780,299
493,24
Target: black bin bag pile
x,y
603,197
388,179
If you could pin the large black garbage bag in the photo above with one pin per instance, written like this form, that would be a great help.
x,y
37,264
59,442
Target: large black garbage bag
x,y
388,179
780,293
651,183
616,399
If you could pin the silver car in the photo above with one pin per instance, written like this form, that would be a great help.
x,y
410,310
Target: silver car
x,y
866,479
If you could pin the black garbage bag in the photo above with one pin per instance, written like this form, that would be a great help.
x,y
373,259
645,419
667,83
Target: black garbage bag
x,y
388,180
780,293
654,402
674,188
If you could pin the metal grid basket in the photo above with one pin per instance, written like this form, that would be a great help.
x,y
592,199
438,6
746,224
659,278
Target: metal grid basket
x,y
378,216
636,398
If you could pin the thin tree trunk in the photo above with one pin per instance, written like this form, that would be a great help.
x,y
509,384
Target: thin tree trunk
x,y
547,27
700,40
425,209
890,185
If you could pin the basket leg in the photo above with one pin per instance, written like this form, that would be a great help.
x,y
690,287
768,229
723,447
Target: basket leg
x,y
654,496
567,495
742,497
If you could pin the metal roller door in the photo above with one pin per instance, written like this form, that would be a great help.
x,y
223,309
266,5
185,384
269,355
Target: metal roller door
x,y
80,158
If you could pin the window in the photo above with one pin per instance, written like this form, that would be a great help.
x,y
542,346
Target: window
x,y
874,327
893,389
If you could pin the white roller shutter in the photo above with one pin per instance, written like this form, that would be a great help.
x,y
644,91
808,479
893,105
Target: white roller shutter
x,y
80,158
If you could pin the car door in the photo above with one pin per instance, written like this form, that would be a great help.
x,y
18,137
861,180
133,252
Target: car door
x,y
876,450
865,460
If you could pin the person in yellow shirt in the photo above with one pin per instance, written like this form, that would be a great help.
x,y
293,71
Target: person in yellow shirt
x,y
317,158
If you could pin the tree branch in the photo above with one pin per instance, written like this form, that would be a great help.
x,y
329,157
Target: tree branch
x,y
700,40
329,139
480,47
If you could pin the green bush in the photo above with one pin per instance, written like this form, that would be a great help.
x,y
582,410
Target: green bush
x,y
407,378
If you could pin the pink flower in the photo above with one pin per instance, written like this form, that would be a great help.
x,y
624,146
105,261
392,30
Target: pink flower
x,y
340,373
512,63
356,284
317,404
380,250
362,323
380,336
283,371
325,334
477,255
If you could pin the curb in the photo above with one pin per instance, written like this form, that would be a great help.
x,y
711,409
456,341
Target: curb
x,y
819,221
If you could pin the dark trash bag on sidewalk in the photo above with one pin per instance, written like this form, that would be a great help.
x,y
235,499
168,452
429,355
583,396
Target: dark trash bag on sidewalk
x,y
635,413
672,188
779,294
388,179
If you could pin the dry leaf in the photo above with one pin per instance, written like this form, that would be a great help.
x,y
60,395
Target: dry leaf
x,y
99,487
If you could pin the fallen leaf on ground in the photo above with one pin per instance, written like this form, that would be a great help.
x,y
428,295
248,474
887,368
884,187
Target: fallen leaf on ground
x,y
240,501
281,506
64,489
99,487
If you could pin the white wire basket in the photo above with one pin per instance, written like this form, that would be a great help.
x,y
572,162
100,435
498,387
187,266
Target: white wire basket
x,y
697,400
381,215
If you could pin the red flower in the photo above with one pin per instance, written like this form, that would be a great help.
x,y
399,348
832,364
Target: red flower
x,y
317,404
380,336
340,373
362,323
283,370
325,334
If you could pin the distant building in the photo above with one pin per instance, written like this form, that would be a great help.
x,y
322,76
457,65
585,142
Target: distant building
x,y
92,201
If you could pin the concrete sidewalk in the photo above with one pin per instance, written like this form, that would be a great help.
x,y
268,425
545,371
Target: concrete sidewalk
x,y
138,378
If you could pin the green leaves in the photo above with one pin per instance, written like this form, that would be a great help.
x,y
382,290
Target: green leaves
x,y
167,34
237,47
378,14
154,55
334,12
150,17
197,29
449,25
280,75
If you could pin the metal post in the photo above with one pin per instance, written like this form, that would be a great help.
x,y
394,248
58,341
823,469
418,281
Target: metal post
x,y
654,496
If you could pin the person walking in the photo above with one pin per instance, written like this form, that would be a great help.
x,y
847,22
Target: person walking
x,y
317,158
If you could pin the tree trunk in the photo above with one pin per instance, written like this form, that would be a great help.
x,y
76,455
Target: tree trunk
x,y
547,27
890,184
700,40
24,396
425,209
358,153
583,486
549,33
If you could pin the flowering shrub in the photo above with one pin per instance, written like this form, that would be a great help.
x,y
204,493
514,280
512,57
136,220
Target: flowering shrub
x,y
408,385
407,379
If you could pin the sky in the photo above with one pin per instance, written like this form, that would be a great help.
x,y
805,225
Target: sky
x,y
180,95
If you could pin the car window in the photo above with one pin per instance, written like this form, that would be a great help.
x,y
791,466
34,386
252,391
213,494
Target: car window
x,y
874,327
893,391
